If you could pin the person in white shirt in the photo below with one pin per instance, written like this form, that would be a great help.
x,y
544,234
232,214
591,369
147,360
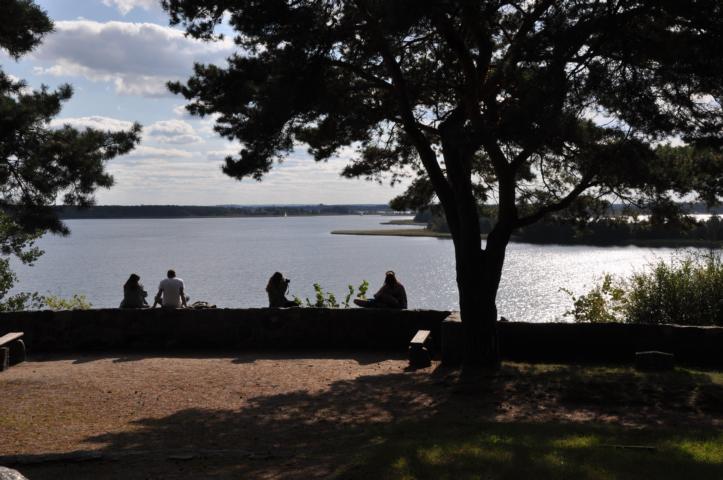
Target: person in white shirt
x,y
170,292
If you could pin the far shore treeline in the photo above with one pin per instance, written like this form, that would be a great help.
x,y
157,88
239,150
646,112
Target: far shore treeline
x,y
613,226
188,211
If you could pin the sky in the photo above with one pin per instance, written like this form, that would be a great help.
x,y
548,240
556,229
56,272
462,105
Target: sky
x,y
118,56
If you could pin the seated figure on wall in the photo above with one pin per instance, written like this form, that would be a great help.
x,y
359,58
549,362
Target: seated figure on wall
x,y
391,295
134,295
276,290
170,292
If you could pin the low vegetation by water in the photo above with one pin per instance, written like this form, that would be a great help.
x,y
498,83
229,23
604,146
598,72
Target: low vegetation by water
x,y
327,299
687,290
21,244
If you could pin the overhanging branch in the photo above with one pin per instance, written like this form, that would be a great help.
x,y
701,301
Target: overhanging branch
x,y
584,184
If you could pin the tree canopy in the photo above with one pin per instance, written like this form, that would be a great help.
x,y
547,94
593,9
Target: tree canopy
x,y
525,80
531,105
39,164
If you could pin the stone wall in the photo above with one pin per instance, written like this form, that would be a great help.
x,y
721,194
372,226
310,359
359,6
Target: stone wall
x,y
312,328
609,342
261,328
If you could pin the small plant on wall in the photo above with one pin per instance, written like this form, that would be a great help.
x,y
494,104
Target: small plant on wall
x,y
326,299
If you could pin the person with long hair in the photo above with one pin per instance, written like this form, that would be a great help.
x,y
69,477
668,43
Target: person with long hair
x,y
134,295
276,290
391,295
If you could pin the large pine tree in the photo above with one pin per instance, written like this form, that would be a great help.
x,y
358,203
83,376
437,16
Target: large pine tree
x,y
527,104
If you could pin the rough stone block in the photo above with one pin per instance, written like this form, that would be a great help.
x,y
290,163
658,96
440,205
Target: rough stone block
x,y
4,358
654,361
452,332
16,352
10,474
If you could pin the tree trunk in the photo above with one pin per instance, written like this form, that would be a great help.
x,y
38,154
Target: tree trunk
x,y
478,278
478,271
478,309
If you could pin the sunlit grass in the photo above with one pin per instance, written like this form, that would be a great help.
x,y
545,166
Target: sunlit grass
x,y
541,451
452,445
710,451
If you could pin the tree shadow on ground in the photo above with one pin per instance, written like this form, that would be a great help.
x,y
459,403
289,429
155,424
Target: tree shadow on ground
x,y
520,422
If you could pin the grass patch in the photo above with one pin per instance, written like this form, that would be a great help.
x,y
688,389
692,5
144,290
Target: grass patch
x,y
501,451
461,441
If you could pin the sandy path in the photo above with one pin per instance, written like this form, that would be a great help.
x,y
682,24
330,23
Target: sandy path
x,y
292,415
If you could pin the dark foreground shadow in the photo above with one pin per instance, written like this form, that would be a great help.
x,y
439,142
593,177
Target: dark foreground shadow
x,y
521,422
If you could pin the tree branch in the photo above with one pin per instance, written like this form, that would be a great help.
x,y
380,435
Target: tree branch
x,y
362,74
457,45
421,143
584,184
515,49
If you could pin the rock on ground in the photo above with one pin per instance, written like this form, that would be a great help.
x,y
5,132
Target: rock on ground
x,y
10,474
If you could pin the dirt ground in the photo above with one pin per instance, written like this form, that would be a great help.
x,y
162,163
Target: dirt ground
x,y
294,415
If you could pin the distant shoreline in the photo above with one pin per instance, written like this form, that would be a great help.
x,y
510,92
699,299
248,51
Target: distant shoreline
x,y
189,217
217,211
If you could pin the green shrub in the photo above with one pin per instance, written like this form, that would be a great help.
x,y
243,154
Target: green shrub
x,y
606,302
76,302
324,299
687,290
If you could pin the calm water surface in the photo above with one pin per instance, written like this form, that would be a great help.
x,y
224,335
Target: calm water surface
x,y
228,262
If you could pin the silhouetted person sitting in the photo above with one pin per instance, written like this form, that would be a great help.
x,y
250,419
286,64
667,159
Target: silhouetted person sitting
x,y
391,295
170,292
276,289
134,295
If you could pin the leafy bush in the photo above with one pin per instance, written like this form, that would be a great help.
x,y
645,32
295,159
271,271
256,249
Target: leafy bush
x,y
606,302
324,299
688,290
76,302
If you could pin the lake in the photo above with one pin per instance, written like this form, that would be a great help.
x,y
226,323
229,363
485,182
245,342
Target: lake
x,y
227,261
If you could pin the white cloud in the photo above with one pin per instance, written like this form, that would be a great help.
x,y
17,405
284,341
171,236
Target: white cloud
x,y
220,155
138,58
95,122
145,151
125,6
158,180
180,111
173,131
207,123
